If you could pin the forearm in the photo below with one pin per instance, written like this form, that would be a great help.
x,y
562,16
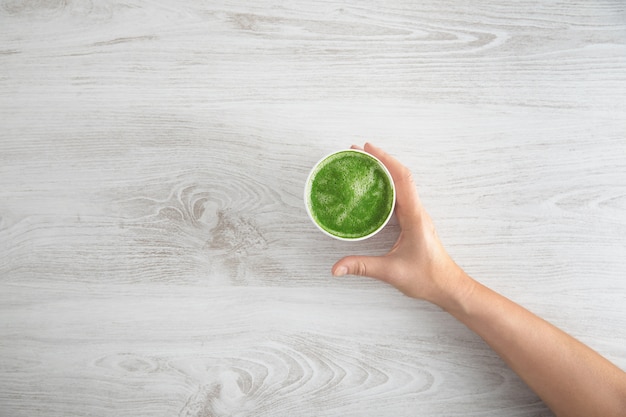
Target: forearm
x,y
570,377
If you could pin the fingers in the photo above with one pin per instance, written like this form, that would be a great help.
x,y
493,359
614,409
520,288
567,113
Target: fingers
x,y
401,174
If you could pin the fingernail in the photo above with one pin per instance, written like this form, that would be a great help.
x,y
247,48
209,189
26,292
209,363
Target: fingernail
x,y
340,271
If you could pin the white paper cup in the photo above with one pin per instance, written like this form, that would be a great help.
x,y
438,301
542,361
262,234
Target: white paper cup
x,y
358,183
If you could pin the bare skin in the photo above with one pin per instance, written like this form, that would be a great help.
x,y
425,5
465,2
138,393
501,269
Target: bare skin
x,y
571,378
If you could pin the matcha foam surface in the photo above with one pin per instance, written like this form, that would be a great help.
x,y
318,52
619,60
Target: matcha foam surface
x,y
351,195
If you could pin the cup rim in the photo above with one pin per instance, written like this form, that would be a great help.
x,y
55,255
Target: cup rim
x,y
307,200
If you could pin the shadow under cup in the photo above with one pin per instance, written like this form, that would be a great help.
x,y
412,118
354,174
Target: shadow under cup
x,y
350,195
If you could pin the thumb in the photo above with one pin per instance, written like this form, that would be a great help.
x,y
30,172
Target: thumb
x,y
367,266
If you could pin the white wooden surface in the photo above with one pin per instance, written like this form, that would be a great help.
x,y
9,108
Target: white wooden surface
x,y
155,256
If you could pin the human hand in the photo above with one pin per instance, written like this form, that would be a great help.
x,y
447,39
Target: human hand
x,y
417,264
569,376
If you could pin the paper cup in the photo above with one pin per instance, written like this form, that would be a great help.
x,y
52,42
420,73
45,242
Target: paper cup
x,y
350,195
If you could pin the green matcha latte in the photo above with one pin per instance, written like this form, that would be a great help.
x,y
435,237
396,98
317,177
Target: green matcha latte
x,y
350,195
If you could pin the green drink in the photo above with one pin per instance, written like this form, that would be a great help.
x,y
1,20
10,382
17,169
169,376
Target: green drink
x,y
350,195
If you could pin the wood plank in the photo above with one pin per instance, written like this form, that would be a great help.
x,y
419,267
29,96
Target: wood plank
x,y
155,255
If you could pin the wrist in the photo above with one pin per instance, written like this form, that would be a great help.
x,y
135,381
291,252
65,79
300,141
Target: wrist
x,y
455,289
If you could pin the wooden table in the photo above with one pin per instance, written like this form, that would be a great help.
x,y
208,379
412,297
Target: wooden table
x,y
155,255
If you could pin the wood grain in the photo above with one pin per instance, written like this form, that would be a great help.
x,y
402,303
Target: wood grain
x,y
155,255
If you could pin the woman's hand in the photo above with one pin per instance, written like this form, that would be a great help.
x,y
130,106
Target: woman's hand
x,y
417,264
570,377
